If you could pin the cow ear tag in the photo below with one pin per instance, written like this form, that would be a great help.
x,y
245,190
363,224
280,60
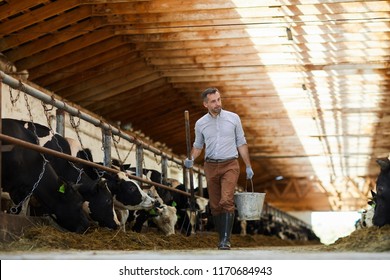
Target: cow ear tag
x,y
62,189
174,204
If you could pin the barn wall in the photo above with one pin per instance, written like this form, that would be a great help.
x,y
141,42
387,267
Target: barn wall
x,y
302,215
17,105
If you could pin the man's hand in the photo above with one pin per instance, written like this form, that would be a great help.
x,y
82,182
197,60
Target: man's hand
x,y
188,163
249,172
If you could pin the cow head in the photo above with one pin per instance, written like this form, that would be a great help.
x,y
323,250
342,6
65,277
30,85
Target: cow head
x,y
100,203
382,197
67,207
128,194
166,219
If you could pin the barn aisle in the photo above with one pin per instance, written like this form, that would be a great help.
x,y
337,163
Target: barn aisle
x,y
263,253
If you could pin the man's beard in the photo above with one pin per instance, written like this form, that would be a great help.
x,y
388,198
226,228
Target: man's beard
x,y
217,110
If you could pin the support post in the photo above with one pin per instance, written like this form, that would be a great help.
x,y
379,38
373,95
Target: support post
x,y
60,122
164,170
107,137
139,160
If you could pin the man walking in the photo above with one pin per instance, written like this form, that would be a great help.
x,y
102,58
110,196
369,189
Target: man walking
x,y
221,132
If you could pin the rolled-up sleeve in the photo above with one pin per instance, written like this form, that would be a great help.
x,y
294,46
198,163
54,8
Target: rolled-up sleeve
x,y
240,136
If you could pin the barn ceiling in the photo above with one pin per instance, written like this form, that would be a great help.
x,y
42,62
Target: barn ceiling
x,y
309,78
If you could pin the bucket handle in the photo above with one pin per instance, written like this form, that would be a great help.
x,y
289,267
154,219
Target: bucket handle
x,y
246,184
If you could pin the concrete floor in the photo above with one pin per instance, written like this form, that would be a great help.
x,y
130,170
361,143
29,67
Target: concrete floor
x,y
274,253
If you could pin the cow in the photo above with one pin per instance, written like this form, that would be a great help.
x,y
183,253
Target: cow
x,y
99,199
188,218
161,215
127,193
367,215
153,176
166,219
382,195
26,172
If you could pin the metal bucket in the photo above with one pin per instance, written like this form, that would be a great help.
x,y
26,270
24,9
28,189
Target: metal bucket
x,y
249,205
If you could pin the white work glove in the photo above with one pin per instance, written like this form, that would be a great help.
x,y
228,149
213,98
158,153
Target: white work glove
x,y
188,163
249,173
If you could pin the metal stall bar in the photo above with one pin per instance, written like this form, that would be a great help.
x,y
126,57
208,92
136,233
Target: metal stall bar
x,y
28,145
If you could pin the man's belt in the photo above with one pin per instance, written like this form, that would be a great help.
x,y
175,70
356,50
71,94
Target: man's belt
x,y
219,160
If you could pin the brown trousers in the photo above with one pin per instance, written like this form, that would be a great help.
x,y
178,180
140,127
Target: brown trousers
x,y
222,180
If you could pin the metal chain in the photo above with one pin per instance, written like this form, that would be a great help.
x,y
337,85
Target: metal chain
x,y
156,159
31,116
47,110
47,115
115,141
13,100
128,153
117,149
76,129
14,209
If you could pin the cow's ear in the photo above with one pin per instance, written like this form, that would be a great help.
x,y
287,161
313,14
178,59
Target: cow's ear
x,y
384,163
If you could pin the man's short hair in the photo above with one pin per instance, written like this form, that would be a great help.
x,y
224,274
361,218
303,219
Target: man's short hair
x,y
208,91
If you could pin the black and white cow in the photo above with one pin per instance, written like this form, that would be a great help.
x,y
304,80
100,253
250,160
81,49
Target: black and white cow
x,y
188,219
99,199
151,175
367,215
382,195
25,172
161,215
127,193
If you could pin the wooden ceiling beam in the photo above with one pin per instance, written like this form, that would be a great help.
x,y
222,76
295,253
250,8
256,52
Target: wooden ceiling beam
x,y
64,64
127,62
131,97
49,10
99,80
169,5
53,39
157,121
36,61
298,67
266,46
154,109
87,66
286,80
94,60
279,72
16,6
230,17
271,52
263,30
259,59
274,9
114,87
45,27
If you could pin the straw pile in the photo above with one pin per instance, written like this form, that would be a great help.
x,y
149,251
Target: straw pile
x,y
41,238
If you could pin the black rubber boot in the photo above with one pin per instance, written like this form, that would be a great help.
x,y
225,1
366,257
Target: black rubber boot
x,y
225,230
